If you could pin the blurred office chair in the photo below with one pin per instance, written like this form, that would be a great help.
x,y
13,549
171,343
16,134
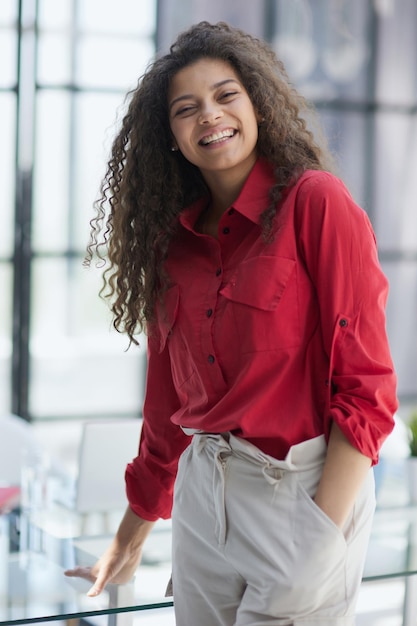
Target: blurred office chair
x,y
106,448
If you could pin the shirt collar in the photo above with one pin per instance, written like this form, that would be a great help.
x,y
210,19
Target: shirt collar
x,y
254,197
251,202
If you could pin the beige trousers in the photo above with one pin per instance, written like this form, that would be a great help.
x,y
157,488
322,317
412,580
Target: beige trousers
x,y
250,546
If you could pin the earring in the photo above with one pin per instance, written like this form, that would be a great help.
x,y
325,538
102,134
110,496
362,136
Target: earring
x,y
174,148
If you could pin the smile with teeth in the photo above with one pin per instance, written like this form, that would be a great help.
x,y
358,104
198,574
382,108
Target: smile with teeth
x,y
217,137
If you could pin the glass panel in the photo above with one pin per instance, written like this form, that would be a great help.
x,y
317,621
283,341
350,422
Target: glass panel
x,y
131,16
8,12
7,171
347,138
94,132
401,321
325,46
8,65
79,365
52,162
54,58
396,181
5,335
34,589
396,70
112,62
55,15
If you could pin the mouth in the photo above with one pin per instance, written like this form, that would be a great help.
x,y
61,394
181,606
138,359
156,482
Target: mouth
x,y
216,138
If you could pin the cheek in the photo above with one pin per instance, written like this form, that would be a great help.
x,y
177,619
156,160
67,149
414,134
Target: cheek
x,y
251,124
182,134
254,132
187,148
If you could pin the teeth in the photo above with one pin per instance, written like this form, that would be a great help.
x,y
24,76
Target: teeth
x,y
217,136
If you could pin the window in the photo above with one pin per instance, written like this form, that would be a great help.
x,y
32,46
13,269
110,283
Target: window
x,y
65,69
59,109
357,62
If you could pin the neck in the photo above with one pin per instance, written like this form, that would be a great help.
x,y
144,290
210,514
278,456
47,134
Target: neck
x,y
225,187
223,193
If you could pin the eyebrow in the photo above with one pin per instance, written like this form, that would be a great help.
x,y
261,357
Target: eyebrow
x,y
187,96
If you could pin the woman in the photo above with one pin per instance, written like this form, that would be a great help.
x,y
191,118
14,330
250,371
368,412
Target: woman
x,y
256,278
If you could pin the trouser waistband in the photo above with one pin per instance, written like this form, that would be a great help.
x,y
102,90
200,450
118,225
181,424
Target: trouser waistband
x,y
301,456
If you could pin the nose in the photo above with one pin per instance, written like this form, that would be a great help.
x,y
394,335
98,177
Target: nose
x,y
210,114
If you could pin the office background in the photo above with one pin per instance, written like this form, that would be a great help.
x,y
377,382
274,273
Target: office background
x,y
65,67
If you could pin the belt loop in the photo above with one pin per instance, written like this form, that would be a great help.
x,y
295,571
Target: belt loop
x,y
219,484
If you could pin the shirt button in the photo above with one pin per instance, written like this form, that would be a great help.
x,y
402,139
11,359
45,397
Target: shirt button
x,y
211,358
209,312
218,271
343,323
226,230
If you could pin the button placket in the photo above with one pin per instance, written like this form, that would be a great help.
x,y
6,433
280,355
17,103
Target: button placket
x,y
209,354
210,358
226,229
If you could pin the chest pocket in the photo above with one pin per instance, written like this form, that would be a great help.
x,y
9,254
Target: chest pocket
x,y
262,297
170,336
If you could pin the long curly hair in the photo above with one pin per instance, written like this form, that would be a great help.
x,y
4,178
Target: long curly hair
x,y
146,185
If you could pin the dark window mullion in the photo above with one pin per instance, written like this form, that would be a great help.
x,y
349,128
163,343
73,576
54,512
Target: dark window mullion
x,y
25,118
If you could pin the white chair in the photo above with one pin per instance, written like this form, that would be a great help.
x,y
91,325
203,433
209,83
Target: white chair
x,y
106,448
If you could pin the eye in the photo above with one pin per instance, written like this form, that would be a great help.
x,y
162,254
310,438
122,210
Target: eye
x,y
185,110
228,94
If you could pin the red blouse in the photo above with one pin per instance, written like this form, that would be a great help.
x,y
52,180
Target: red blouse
x,y
269,340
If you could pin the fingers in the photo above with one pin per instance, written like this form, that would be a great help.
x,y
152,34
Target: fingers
x,y
111,567
91,593
80,572
101,581
86,573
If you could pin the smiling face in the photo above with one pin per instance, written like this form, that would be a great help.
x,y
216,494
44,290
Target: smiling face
x,y
212,119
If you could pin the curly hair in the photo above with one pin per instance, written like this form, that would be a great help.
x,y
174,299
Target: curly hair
x,y
146,185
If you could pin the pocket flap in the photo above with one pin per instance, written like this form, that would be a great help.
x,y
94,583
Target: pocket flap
x,y
166,312
260,282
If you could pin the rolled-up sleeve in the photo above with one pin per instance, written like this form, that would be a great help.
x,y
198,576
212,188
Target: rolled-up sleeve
x,y
151,475
340,252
